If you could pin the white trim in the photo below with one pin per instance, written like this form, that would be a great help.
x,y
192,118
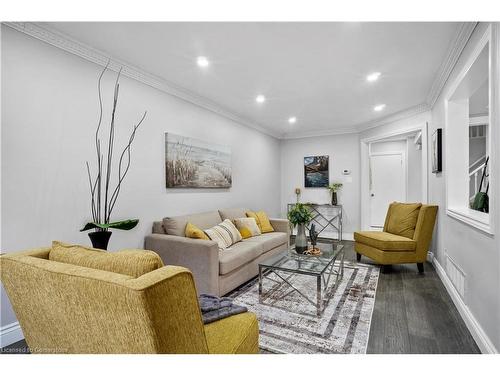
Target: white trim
x,y
320,133
10,333
64,42
463,35
479,120
481,221
476,219
365,155
482,340
398,116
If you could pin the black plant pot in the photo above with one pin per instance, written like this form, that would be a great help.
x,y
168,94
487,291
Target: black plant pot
x,y
100,239
334,198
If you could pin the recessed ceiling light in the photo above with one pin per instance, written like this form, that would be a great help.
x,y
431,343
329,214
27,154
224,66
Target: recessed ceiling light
x,y
260,99
292,120
202,61
373,77
379,107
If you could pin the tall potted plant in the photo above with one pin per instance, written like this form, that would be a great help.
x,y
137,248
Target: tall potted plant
x,y
103,195
300,215
334,188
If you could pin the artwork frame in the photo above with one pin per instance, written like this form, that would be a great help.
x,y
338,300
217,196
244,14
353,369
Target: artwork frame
x,y
196,164
437,151
316,171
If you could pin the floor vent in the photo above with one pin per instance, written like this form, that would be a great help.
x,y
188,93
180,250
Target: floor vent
x,y
456,275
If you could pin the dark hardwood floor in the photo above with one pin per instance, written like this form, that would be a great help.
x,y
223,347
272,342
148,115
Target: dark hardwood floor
x,y
413,314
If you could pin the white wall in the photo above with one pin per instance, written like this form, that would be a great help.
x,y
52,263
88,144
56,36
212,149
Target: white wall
x,y
344,154
414,171
50,107
474,251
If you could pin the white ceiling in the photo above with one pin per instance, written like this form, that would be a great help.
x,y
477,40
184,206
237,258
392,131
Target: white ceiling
x,y
313,71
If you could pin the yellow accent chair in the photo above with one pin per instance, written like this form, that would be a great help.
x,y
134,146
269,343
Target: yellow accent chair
x,y
64,307
406,236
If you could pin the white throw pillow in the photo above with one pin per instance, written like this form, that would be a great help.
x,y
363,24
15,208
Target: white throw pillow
x,y
225,234
248,222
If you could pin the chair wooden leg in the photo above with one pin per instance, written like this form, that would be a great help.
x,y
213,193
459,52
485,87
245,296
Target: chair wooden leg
x,y
420,267
358,256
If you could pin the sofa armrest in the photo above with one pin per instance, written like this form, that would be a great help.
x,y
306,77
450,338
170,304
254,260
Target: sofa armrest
x,y
281,225
201,257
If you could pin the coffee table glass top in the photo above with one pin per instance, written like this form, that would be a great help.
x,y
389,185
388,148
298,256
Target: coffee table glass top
x,y
307,264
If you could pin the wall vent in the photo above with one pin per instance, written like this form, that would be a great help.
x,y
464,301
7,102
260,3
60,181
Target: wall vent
x,y
456,276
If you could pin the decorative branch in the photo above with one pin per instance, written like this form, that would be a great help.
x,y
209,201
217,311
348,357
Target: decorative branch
x,y
121,176
100,217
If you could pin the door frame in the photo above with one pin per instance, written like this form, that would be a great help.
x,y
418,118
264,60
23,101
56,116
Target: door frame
x,y
365,160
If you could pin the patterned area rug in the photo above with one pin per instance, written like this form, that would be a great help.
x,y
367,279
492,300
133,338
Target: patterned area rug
x,y
289,324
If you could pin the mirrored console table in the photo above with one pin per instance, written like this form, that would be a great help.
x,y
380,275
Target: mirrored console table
x,y
325,216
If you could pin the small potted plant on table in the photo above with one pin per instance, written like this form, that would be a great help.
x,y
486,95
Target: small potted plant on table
x,y
300,215
334,188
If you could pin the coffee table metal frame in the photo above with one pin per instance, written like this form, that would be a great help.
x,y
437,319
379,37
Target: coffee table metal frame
x,y
323,275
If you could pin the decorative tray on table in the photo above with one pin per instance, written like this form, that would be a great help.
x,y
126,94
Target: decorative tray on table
x,y
312,251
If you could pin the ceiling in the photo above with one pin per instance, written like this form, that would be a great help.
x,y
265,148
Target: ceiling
x,y
315,72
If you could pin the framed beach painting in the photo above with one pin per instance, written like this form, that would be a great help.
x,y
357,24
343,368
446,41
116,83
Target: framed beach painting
x,y
316,171
194,163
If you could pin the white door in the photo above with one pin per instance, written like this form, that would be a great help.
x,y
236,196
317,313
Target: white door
x,y
388,184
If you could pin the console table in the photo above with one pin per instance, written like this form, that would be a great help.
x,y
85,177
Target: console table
x,y
325,216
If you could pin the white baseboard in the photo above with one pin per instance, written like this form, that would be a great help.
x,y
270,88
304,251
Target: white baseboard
x,y
482,340
10,334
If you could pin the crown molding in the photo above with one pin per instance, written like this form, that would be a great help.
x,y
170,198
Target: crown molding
x,y
68,44
398,116
458,44
359,128
320,133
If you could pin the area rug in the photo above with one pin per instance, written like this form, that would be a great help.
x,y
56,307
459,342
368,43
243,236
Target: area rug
x,y
289,324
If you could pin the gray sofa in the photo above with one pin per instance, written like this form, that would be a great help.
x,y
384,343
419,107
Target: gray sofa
x,y
215,271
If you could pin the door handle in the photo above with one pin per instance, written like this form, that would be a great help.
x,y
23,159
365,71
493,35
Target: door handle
x,y
372,194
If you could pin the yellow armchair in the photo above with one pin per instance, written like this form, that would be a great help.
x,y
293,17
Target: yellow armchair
x,y
406,237
67,308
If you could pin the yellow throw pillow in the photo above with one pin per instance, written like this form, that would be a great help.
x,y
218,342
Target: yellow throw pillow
x,y
245,232
192,231
262,221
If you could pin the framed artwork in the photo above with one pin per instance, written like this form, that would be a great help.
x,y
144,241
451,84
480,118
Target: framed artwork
x,y
193,163
316,171
437,151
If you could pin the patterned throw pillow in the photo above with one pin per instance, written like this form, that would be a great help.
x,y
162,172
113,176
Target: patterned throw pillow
x,y
262,221
247,224
225,234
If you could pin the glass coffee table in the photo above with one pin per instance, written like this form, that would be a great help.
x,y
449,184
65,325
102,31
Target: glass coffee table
x,y
288,263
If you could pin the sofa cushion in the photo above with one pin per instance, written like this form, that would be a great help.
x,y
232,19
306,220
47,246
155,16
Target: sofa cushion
x,y
237,255
385,241
232,213
269,241
262,221
176,225
402,218
225,234
133,263
248,223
